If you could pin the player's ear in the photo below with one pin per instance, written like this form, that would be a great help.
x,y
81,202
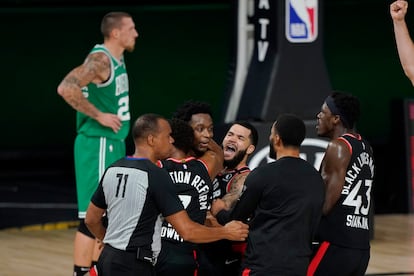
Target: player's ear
x,y
337,119
277,141
150,140
250,149
115,33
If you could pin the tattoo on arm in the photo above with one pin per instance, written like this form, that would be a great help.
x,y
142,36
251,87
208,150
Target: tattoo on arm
x,y
72,80
95,69
235,190
97,65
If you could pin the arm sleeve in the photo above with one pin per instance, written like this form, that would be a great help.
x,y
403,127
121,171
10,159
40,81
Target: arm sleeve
x,y
223,216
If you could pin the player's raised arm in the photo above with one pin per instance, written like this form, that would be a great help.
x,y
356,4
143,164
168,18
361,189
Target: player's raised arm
x,y
405,45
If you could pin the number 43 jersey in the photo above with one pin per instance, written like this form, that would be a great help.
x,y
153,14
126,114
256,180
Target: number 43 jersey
x,y
348,222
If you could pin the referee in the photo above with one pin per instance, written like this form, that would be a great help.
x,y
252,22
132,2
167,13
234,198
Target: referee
x,y
134,192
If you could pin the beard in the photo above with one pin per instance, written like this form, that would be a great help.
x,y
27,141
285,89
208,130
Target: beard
x,y
272,152
232,163
130,48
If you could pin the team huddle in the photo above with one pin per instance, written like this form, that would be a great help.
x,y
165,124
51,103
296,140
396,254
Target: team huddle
x,y
183,204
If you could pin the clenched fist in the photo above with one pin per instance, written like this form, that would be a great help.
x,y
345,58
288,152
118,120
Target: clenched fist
x,y
236,230
398,10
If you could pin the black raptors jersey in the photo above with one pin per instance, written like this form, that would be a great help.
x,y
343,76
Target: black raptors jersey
x,y
348,222
193,187
222,182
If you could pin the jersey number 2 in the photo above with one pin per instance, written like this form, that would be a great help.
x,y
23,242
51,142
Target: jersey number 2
x,y
123,110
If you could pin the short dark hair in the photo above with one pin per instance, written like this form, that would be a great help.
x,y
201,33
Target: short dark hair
x,y
254,136
348,106
112,20
145,125
189,108
291,129
183,134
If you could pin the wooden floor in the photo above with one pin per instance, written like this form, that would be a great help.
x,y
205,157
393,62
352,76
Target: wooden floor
x,y
392,249
49,252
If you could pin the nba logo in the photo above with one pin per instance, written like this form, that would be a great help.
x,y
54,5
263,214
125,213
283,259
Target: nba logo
x,y
301,20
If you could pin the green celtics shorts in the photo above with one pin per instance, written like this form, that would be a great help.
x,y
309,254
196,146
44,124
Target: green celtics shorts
x,y
92,156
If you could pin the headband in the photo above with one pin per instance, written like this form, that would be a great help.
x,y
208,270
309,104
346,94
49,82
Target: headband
x,y
335,110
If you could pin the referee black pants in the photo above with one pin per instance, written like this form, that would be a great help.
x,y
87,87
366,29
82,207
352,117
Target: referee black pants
x,y
117,262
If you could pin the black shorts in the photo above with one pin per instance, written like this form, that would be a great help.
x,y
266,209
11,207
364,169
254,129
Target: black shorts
x,y
220,259
177,259
113,261
336,260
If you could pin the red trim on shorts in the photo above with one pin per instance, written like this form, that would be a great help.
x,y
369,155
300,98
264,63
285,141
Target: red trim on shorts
x,y
246,272
195,258
239,247
93,271
317,258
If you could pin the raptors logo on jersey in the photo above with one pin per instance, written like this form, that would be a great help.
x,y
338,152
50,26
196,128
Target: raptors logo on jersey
x,y
222,182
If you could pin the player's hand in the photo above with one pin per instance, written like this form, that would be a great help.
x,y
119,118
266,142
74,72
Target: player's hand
x,y
237,230
109,120
398,10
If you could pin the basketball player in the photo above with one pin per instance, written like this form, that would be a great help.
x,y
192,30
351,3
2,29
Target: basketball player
x,y
405,45
134,191
224,257
192,179
348,171
199,116
283,201
238,144
98,91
